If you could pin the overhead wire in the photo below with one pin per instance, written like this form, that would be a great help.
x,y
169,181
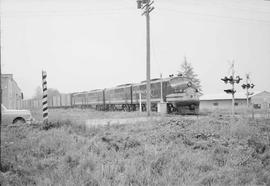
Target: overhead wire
x,y
232,18
225,5
64,13
122,9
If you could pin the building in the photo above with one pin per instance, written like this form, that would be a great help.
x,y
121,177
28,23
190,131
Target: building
x,y
11,93
260,100
222,101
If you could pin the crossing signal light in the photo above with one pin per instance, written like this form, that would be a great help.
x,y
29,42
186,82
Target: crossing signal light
x,y
229,91
238,79
225,79
244,86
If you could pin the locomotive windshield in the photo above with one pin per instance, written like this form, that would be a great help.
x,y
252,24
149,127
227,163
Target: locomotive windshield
x,y
180,83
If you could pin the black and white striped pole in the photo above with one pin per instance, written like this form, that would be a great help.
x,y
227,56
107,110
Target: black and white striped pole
x,y
44,98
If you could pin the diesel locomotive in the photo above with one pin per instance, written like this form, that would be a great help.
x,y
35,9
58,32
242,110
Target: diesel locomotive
x,y
180,94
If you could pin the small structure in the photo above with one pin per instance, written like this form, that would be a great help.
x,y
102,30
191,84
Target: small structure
x,y
162,108
222,101
259,100
11,93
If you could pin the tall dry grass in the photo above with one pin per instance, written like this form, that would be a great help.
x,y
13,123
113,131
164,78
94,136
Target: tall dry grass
x,y
209,150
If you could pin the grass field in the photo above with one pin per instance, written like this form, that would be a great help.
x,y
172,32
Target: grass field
x,y
176,150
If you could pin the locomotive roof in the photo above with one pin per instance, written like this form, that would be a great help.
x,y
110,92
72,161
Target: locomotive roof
x,y
155,80
87,92
119,86
123,85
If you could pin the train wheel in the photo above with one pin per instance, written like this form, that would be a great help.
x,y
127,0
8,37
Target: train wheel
x,y
143,108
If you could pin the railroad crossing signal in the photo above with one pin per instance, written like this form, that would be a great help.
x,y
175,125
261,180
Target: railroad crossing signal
x,y
248,86
232,80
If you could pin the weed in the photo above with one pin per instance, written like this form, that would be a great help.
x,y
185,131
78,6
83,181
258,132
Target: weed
x,y
208,150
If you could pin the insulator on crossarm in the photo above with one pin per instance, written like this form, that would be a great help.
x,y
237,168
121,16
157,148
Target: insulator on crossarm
x,y
139,4
145,1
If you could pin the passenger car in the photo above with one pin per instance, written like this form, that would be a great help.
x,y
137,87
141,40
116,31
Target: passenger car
x,y
16,116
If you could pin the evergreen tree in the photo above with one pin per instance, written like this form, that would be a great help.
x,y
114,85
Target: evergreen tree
x,y
188,72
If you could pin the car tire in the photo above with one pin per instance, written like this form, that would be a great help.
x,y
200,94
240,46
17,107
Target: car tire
x,y
18,121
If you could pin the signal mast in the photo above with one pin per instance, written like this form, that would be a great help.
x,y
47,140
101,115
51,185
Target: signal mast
x,y
232,80
248,86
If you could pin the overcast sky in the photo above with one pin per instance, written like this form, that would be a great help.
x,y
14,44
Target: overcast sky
x,y
89,44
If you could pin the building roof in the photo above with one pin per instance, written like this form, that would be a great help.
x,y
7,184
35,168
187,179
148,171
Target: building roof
x,y
224,96
256,93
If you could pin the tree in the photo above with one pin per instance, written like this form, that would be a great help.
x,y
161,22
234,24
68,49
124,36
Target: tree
x,y
51,92
188,72
38,93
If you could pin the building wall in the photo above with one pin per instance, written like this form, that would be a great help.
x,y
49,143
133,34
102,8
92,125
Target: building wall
x,y
11,93
222,104
261,100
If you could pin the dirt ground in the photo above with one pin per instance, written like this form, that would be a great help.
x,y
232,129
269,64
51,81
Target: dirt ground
x,y
174,150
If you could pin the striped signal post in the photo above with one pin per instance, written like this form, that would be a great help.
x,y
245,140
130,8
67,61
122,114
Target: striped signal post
x,y
44,98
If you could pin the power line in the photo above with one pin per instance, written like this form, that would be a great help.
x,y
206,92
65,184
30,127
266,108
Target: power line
x,y
230,5
65,13
216,16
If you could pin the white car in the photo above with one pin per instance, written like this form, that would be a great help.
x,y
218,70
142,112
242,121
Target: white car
x,y
16,116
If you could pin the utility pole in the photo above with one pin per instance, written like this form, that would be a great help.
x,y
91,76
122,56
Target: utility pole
x,y
233,90
0,94
232,80
161,89
146,6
